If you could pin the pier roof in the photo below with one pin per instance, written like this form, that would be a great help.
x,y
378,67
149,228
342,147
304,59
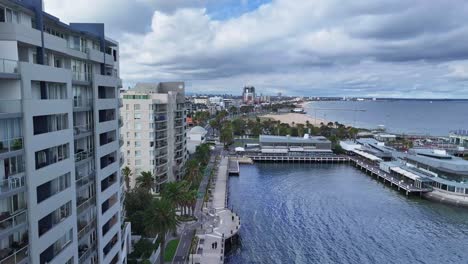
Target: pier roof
x,y
292,140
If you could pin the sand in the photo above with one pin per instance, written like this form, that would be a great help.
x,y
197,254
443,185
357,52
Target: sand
x,y
296,118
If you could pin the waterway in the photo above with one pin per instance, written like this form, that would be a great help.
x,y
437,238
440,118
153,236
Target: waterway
x,y
329,213
436,118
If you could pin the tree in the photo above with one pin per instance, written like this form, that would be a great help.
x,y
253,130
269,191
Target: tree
x,y
145,180
160,218
192,174
136,201
226,134
174,191
127,173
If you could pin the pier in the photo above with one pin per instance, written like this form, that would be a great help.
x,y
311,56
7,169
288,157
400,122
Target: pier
x,y
233,167
374,170
300,159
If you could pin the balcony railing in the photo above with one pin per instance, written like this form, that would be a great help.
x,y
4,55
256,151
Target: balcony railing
x,y
80,129
84,154
9,145
10,106
84,252
83,203
8,66
10,221
82,102
15,256
85,180
82,76
85,227
12,183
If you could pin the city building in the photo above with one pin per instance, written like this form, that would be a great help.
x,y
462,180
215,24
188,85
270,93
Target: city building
x,y
248,95
203,100
154,133
287,145
195,137
61,191
459,137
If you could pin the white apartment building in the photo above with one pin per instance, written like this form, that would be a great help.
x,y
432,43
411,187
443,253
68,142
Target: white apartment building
x,y
60,185
154,133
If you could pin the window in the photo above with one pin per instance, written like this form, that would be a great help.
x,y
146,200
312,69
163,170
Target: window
x,y
50,123
108,159
137,135
52,187
49,254
137,153
49,221
136,107
137,126
138,162
137,144
128,134
151,134
127,107
151,153
50,156
137,115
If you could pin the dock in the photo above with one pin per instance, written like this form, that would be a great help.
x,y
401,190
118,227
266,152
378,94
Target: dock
x,y
234,168
300,159
374,170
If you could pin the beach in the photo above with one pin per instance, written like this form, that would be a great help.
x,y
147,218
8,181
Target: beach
x,y
295,118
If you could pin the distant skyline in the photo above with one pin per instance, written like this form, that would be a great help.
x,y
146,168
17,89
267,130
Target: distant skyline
x,y
392,48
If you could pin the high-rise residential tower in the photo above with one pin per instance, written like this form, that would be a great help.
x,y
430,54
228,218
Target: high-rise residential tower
x,y
60,184
154,133
248,95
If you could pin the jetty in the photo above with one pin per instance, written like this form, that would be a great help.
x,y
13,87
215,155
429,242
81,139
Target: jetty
x,y
300,159
220,225
234,167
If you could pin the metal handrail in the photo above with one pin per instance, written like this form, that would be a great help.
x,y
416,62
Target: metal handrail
x,y
14,220
16,256
12,183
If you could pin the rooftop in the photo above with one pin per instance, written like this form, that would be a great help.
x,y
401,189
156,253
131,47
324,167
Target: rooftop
x,y
293,140
439,159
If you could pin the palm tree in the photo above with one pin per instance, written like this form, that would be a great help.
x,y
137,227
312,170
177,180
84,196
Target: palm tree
x,y
145,180
160,218
174,191
127,173
193,172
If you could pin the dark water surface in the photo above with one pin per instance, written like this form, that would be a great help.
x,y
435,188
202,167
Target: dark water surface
x,y
411,117
317,213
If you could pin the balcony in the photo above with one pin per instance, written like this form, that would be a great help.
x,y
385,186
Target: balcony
x,y
14,255
83,181
9,145
9,67
82,129
85,251
12,183
9,220
81,102
81,76
85,226
9,107
83,203
160,126
83,154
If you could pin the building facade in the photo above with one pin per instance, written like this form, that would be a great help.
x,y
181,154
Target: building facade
x,y
154,133
248,95
61,192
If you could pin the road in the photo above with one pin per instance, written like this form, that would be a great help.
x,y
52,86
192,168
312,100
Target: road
x,y
186,236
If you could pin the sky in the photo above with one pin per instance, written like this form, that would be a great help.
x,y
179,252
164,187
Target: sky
x,y
376,48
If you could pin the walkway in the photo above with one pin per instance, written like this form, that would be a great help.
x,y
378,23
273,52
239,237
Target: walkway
x,y
221,223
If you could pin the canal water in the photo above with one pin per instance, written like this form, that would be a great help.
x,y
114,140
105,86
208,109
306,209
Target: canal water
x,y
329,213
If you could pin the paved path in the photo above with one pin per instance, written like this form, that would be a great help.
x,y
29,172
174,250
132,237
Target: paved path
x,y
187,233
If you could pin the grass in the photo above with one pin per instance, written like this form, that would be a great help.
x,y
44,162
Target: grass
x,y
171,250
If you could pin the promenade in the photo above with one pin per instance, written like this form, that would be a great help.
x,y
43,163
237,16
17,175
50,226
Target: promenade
x,y
220,223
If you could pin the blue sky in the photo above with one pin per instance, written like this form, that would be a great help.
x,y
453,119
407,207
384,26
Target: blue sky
x,y
388,48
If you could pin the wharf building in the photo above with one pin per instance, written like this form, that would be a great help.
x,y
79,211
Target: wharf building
x,y
154,135
61,191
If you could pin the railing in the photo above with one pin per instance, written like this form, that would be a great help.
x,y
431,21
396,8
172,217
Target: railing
x,y
16,257
14,220
9,145
8,66
82,129
82,155
86,228
82,102
12,183
85,180
10,106
84,254
84,204
82,76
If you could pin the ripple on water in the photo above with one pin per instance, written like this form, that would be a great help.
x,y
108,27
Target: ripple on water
x,y
310,213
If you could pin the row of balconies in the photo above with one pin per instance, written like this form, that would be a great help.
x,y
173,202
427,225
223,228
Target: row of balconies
x,y
84,154
9,145
12,183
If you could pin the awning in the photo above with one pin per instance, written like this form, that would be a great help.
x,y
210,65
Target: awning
x,y
367,155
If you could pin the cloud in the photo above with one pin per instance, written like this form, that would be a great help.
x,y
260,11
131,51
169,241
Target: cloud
x,y
325,47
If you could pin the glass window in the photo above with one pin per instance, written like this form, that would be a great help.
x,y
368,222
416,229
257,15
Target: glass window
x,y
136,107
137,134
137,153
137,144
138,162
137,126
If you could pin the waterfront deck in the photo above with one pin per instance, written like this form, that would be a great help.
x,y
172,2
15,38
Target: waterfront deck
x,y
233,167
373,170
222,224
300,159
